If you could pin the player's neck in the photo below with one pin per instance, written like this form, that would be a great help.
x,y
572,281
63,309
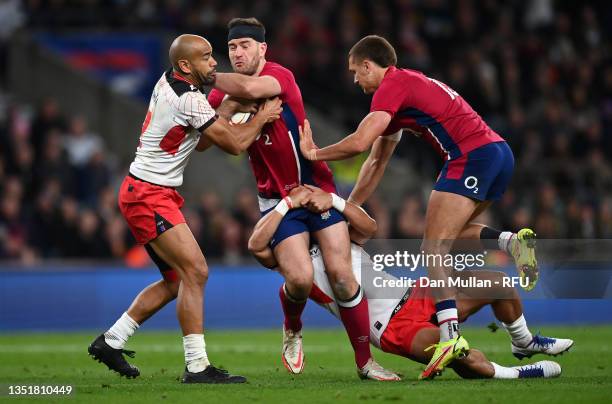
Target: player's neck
x,y
185,77
262,63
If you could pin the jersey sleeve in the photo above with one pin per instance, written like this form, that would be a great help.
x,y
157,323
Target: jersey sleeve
x,y
283,76
390,97
196,111
215,98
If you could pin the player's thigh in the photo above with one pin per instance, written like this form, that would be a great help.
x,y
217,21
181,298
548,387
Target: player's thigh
x,y
335,247
180,250
294,263
447,214
480,208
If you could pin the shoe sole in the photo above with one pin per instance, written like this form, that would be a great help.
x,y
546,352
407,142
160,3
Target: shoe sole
x,y
289,369
94,355
527,238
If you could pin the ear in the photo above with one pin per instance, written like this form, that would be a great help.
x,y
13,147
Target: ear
x,y
367,65
184,66
263,47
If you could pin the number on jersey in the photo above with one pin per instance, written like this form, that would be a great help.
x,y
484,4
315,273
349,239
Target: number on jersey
x,y
452,93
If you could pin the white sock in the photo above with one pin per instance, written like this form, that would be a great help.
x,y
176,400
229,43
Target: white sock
x,y
121,331
520,334
502,372
449,324
504,241
195,353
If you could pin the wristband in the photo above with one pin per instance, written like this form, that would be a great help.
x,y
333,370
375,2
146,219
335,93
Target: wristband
x,y
338,203
289,201
282,207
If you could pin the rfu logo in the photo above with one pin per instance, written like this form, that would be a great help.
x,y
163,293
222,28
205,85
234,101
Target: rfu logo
x,y
326,215
192,87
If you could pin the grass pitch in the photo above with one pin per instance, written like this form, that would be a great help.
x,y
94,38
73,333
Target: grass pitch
x,y
329,375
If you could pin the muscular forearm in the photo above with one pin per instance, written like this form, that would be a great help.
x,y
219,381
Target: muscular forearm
x,y
234,84
360,220
247,133
346,148
369,177
373,169
264,230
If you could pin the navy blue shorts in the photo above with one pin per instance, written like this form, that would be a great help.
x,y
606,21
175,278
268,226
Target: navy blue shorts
x,y
482,174
302,220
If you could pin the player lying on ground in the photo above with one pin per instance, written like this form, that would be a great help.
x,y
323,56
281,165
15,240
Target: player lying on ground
x,y
405,325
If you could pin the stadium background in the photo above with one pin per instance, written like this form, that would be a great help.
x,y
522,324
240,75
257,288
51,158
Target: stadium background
x,y
75,77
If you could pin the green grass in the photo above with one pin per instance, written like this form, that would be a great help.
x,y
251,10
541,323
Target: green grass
x,y
329,374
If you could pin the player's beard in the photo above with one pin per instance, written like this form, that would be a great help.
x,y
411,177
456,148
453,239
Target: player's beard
x,y
250,69
207,79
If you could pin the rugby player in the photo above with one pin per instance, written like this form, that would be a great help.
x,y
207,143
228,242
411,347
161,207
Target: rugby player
x,y
405,325
278,167
179,120
478,167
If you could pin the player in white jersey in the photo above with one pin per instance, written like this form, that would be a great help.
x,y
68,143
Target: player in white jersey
x,y
405,323
179,121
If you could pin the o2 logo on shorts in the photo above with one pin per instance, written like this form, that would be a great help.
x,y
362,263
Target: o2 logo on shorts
x,y
471,182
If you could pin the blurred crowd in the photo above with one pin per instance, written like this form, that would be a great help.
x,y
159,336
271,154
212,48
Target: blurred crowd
x,y
538,72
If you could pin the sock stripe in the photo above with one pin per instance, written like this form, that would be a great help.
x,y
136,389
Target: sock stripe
x,y
353,301
446,304
447,320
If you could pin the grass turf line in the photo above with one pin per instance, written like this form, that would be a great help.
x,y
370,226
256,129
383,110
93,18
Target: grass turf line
x,y
329,375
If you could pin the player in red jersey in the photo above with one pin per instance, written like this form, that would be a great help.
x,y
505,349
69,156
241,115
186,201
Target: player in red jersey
x,y
179,121
279,167
402,320
479,165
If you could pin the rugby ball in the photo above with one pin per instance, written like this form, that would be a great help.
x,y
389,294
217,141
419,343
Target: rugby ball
x,y
240,117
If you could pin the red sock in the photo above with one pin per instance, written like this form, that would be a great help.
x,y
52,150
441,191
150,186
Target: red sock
x,y
356,320
293,310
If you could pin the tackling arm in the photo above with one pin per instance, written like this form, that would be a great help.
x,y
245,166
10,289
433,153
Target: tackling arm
x,y
370,128
243,86
234,139
373,168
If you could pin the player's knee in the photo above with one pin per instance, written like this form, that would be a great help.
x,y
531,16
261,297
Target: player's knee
x,y
299,284
344,285
172,287
196,274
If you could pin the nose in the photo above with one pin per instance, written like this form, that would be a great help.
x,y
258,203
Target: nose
x,y
213,62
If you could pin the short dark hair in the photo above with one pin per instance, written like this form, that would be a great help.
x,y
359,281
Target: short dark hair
x,y
252,21
375,48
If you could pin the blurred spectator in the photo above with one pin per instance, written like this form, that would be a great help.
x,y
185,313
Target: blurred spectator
x,y
538,72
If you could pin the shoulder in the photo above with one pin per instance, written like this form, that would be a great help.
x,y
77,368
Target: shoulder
x,y
275,69
180,87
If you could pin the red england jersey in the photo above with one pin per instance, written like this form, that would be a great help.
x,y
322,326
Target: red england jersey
x,y
433,109
275,155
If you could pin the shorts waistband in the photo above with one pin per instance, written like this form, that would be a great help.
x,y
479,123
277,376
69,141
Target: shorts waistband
x,y
148,182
